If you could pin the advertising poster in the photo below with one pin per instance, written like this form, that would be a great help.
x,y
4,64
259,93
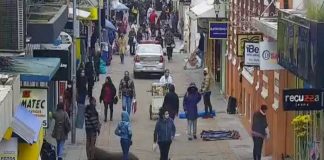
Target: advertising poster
x,y
252,54
246,37
269,56
35,100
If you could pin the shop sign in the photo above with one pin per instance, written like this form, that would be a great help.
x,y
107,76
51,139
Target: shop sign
x,y
218,30
186,2
35,100
242,38
9,149
269,56
252,54
303,99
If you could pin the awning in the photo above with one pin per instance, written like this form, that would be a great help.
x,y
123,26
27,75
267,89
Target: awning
x,y
268,26
33,69
115,5
202,10
79,13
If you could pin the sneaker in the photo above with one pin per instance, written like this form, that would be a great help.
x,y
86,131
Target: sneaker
x,y
195,137
189,139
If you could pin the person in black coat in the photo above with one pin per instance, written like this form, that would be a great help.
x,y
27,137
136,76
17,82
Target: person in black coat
x,y
171,102
259,131
81,86
90,74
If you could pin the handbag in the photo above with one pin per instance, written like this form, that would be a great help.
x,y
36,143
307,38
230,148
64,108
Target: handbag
x,y
115,101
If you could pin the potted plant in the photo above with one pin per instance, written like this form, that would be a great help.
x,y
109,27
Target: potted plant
x,y
301,125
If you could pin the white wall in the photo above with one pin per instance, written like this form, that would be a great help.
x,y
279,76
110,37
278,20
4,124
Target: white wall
x,y
298,4
5,109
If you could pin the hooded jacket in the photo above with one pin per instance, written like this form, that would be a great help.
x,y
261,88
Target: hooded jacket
x,y
164,130
190,101
171,102
124,128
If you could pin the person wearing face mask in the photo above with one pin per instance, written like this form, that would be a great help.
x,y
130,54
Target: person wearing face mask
x,y
126,92
205,90
190,101
67,100
166,78
164,133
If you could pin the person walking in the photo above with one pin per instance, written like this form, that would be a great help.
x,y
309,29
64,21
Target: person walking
x,y
205,90
164,133
190,101
107,95
169,43
124,131
61,129
82,86
132,41
67,98
260,131
126,92
90,74
171,102
122,47
92,126
152,19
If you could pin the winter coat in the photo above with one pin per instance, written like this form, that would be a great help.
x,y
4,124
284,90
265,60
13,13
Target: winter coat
x,y
205,86
124,128
82,85
127,88
171,103
164,80
190,102
169,38
92,123
164,130
67,99
103,94
131,36
90,72
259,125
122,45
62,125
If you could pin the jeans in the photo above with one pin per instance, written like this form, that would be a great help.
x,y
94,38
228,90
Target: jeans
x,y
125,144
208,105
91,146
127,104
60,148
82,98
132,48
192,128
164,150
111,107
169,52
257,147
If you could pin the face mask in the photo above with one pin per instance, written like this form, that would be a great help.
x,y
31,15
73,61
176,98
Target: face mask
x,y
127,78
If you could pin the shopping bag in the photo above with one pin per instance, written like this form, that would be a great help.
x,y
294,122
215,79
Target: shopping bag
x,y
134,106
154,147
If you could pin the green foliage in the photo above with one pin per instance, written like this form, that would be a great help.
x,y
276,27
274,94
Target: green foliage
x,y
314,10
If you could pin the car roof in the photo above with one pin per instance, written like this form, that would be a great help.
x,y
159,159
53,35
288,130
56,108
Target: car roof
x,y
150,53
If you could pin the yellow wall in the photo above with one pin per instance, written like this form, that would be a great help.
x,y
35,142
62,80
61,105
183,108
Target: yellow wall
x,y
31,152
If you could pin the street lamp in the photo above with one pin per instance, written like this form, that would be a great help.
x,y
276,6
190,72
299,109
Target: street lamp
x,y
217,7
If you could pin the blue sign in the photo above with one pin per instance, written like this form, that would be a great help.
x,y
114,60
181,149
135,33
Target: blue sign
x,y
218,30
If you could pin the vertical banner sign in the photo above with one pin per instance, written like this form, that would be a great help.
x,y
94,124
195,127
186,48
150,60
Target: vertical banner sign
x,y
303,99
218,30
246,37
269,56
35,100
252,54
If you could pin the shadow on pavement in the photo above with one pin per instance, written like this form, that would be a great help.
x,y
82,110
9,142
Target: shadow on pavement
x,y
105,155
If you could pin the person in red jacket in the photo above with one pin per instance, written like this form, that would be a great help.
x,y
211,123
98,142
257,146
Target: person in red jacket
x,y
108,93
153,17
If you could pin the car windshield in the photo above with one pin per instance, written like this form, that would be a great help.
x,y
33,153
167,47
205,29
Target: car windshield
x,y
149,49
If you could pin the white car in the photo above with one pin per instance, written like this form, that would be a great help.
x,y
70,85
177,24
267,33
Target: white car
x,y
149,60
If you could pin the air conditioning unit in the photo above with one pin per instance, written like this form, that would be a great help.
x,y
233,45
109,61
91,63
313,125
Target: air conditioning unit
x,y
13,25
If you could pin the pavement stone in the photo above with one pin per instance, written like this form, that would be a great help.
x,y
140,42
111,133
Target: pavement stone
x,y
181,148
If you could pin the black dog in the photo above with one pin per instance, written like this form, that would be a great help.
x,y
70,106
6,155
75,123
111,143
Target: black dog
x,y
104,155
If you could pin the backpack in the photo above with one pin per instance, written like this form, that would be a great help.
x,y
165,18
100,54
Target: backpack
x,y
48,151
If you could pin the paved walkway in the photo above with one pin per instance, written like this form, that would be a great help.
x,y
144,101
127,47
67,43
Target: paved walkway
x,y
143,128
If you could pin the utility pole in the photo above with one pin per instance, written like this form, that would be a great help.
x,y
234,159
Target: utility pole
x,y
73,70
